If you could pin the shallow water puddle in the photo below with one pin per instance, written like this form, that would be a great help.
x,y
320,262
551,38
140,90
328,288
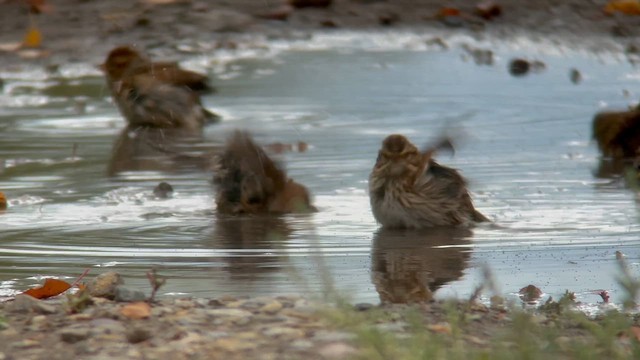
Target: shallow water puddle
x,y
523,145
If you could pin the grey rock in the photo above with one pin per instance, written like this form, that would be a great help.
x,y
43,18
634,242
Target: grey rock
x,y
223,20
363,306
228,313
333,336
26,303
127,294
106,326
138,334
337,351
104,285
393,327
73,335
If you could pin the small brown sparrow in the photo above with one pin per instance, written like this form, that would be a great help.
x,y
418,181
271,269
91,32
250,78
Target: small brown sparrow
x,y
618,133
408,189
249,182
121,59
146,99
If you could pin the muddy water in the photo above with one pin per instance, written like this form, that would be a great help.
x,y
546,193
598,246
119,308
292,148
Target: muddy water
x,y
523,143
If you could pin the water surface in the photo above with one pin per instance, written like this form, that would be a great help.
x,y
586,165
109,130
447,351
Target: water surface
x,y
523,144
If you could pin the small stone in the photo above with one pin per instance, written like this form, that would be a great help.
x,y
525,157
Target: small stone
x,y
104,285
74,335
127,294
137,335
38,322
234,345
453,21
283,332
519,67
24,344
106,326
362,306
392,327
136,310
575,76
337,351
271,307
26,303
333,336
301,344
228,313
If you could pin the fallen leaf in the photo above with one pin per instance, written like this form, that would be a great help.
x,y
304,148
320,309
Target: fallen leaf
x,y
33,38
442,328
51,287
136,310
629,7
3,201
447,11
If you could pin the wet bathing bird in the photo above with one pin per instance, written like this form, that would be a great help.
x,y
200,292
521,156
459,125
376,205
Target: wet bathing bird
x,y
147,99
249,182
408,189
121,59
618,133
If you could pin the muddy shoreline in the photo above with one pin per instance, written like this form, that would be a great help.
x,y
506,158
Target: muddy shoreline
x,y
83,31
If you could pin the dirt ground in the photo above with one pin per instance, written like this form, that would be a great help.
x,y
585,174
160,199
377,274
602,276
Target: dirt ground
x,y
84,30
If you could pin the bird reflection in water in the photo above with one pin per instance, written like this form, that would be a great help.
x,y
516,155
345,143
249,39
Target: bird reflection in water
x,y
253,243
408,266
155,149
617,134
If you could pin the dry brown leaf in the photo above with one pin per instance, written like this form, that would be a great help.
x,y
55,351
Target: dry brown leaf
x,y
442,328
136,310
3,201
33,38
629,7
447,11
51,287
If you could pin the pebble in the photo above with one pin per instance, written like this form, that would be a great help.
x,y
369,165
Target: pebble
x,y
234,345
24,344
337,351
271,307
26,303
333,336
73,335
362,306
228,313
283,332
138,334
127,294
392,327
106,326
104,285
